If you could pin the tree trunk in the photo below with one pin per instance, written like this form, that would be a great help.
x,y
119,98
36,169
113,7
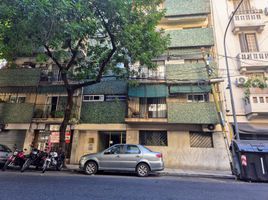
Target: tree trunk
x,y
67,117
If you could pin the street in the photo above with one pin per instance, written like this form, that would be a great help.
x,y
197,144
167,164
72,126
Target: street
x,y
70,186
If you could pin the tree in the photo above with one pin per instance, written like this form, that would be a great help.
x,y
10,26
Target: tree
x,y
85,39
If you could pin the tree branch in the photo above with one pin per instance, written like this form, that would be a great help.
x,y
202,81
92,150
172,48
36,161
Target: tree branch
x,y
49,53
74,53
109,56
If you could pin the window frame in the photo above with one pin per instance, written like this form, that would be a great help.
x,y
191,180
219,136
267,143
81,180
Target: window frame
x,y
152,132
101,98
204,95
201,133
244,42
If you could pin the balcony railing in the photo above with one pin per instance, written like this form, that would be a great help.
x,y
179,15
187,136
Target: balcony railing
x,y
257,104
248,20
253,60
45,111
145,111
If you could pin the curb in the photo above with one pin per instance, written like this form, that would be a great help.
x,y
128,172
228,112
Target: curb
x,y
217,176
174,174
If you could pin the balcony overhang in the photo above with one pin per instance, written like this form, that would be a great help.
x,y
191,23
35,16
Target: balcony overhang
x,y
253,20
259,109
146,120
252,61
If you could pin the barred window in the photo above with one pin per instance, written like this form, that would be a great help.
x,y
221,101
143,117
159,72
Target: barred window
x,y
201,140
153,138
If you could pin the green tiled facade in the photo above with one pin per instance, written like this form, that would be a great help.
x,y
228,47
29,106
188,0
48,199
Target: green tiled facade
x,y
19,77
188,89
188,71
16,113
192,113
107,87
186,7
197,37
103,112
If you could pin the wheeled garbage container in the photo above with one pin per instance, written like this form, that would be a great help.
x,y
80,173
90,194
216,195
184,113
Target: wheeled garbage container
x,y
250,159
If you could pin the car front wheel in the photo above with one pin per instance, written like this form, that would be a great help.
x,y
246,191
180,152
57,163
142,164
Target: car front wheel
x,y
91,168
143,170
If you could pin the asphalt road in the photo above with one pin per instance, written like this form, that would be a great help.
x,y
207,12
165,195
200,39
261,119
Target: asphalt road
x,y
70,186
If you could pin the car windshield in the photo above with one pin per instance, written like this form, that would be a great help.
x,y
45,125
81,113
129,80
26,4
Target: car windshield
x,y
4,148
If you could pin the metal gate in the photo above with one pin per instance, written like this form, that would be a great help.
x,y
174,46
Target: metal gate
x,y
10,138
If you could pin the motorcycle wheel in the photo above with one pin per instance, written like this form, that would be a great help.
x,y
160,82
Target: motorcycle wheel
x,y
26,165
6,165
44,167
59,167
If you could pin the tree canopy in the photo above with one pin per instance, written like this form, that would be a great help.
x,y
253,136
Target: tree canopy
x,y
85,39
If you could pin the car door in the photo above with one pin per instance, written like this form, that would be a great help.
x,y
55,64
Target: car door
x,y
130,158
111,158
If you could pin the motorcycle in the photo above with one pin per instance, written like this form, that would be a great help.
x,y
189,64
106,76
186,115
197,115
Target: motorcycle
x,y
16,159
53,160
36,158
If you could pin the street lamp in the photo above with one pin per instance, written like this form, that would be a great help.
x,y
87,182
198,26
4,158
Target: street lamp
x,y
228,72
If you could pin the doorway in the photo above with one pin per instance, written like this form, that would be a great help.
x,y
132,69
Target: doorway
x,y
110,138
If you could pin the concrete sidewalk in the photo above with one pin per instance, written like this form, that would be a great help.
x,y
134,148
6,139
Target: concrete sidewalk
x,y
183,173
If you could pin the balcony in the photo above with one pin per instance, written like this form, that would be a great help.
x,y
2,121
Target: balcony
x,y
51,113
257,104
252,61
252,20
152,110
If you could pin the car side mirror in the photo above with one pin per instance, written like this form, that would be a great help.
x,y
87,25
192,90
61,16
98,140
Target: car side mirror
x,y
107,152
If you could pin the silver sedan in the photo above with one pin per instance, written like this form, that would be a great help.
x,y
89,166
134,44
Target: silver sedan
x,y
123,157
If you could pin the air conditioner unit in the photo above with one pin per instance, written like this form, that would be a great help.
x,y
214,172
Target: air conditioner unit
x,y
208,128
241,80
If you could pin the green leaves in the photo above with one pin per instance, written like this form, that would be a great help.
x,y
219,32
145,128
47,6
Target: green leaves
x,y
110,31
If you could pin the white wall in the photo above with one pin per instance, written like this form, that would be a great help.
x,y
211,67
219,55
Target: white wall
x,y
222,9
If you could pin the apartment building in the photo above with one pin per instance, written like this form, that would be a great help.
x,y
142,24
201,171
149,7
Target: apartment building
x,y
169,109
247,48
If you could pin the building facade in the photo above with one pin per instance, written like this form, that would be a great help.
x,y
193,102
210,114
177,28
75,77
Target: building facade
x,y
247,48
169,109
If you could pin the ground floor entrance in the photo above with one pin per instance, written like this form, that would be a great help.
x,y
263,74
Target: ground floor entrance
x,y
109,138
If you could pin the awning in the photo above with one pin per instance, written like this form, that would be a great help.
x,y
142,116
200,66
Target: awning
x,y
249,128
155,90
180,89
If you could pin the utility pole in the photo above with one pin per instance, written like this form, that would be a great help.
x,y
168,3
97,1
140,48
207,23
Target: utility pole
x,y
228,72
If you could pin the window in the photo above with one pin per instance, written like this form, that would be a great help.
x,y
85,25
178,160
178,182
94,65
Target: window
x,y
201,140
244,8
255,100
197,97
266,99
4,148
115,98
87,98
132,149
248,42
261,100
17,99
118,149
153,138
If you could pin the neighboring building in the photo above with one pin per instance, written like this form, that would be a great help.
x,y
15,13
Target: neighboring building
x,y
32,106
247,49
